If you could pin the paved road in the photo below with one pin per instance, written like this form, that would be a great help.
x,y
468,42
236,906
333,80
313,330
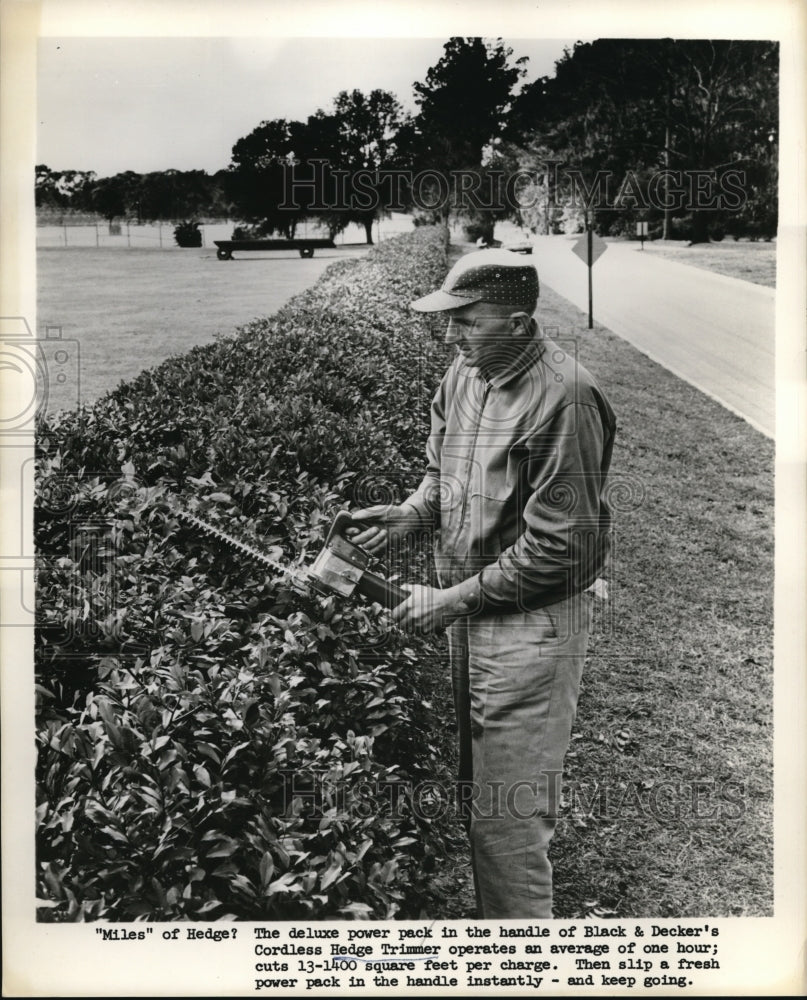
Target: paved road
x,y
715,332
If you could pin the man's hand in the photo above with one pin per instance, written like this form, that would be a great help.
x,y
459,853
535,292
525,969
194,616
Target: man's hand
x,y
428,609
384,523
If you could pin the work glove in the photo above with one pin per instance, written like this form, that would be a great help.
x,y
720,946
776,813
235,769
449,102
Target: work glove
x,y
382,525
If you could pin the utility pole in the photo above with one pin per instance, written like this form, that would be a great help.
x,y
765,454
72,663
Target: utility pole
x,y
665,229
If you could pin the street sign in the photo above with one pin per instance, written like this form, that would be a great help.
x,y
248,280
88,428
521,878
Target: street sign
x,y
588,248
598,248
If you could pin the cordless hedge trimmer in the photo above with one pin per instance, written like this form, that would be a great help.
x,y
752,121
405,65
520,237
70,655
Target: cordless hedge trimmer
x,y
340,568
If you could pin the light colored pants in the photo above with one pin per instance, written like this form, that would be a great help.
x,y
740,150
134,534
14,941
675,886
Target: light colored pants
x,y
515,679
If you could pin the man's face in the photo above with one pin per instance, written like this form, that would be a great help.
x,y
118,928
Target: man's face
x,y
487,336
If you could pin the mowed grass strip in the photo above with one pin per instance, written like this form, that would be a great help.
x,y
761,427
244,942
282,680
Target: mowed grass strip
x,y
668,784
755,262
670,772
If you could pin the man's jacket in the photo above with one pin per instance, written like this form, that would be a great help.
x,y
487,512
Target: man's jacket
x,y
516,474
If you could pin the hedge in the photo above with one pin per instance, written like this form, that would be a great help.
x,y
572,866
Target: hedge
x,y
212,745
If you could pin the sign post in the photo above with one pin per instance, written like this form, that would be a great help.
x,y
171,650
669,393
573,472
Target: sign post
x,y
641,232
590,262
589,248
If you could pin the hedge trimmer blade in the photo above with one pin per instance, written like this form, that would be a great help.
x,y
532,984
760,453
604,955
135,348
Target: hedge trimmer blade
x,y
340,568
298,578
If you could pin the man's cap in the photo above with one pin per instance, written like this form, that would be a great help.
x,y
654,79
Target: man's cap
x,y
496,276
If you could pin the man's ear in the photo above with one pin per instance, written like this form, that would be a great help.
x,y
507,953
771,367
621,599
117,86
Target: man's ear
x,y
521,324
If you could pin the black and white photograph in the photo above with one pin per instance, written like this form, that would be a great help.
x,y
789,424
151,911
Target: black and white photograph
x,y
403,533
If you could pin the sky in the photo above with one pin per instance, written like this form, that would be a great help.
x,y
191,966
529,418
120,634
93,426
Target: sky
x,y
143,104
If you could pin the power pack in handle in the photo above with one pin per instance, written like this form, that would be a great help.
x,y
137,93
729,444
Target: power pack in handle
x,y
341,568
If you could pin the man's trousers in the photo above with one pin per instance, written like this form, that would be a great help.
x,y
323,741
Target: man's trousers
x,y
516,679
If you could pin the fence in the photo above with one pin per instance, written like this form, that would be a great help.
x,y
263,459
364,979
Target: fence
x,y
129,234
125,234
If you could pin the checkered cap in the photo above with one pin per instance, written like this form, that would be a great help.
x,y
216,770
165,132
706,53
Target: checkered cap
x,y
485,276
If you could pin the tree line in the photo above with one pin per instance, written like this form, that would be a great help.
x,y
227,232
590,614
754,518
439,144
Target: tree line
x,y
681,134
160,195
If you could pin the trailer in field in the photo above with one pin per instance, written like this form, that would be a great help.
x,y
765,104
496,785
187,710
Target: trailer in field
x,y
306,247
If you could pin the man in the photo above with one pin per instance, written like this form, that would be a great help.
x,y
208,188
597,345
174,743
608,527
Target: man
x,y
518,455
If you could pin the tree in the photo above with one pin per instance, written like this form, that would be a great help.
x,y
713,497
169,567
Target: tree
x,y
463,101
284,172
162,194
366,129
62,189
174,194
116,196
221,205
723,111
640,106
256,175
367,126
45,191
463,105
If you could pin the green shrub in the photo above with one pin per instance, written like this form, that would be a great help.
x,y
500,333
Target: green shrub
x,y
211,744
188,234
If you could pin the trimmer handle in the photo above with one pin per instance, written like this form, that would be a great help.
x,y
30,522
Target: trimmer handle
x,y
376,588
373,586
340,524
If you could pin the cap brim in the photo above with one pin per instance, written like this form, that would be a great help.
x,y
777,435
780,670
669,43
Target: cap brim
x,y
441,301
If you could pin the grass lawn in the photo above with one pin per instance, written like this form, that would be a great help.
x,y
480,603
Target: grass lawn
x,y
130,309
669,775
754,262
